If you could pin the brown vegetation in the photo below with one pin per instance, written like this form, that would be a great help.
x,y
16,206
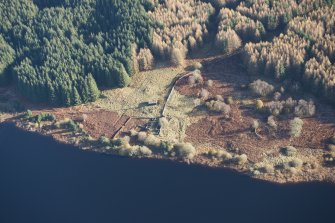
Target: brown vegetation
x,y
145,59
184,25
273,13
233,26
309,44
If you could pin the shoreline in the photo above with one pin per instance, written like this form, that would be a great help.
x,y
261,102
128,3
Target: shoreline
x,y
272,178
213,136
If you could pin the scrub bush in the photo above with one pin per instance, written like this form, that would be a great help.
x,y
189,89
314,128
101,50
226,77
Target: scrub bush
x,y
240,159
296,163
261,88
152,140
271,122
289,151
204,94
268,168
296,127
209,83
104,141
218,106
185,150
142,136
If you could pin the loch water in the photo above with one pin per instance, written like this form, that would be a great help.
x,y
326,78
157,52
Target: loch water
x,y
42,181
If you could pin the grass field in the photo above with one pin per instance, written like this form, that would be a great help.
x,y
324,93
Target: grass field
x,y
146,86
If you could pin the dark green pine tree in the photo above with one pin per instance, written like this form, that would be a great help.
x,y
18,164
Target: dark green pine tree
x,y
66,96
108,72
93,91
52,95
76,100
83,90
6,58
123,78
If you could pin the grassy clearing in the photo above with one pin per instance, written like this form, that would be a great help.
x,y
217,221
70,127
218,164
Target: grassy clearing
x,y
177,111
146,86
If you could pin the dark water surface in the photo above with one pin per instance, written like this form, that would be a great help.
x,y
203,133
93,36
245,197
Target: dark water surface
x,y
43,181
